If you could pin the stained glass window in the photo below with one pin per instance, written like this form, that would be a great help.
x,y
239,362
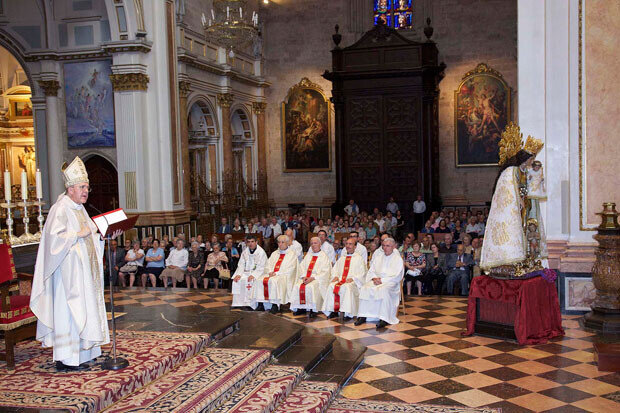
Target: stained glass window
x,y
397,14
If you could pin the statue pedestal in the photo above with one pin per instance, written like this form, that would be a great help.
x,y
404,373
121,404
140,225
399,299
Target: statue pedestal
x,y
605,315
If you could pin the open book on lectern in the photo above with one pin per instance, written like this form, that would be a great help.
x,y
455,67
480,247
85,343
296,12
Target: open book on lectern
x,y
111,221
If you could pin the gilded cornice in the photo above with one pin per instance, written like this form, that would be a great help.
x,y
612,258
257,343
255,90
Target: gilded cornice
x,y
129,81
259,107
225,100
106,50
50,87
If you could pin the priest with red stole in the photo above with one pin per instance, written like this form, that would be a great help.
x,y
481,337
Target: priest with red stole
x,y
312,278
270,290
67,289
348,275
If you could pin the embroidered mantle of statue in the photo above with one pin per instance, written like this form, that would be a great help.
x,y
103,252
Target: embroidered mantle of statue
x,y
515,243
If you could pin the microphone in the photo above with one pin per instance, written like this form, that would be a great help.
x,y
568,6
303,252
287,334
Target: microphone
x,y
94,207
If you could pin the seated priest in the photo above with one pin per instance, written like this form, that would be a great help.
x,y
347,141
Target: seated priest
x,y
326,246
250,267
359,248
312,278
459,269
348,275
270,290
380,295
295,245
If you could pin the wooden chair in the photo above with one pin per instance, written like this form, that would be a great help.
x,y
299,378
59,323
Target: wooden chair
x,y
17,321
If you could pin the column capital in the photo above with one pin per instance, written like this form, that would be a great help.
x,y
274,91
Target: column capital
x,y
225,100
259,107
50,87
184,88
129,81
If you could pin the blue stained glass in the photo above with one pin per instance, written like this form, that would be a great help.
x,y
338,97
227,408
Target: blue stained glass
x,y
402,5
386,18
383,6
402,20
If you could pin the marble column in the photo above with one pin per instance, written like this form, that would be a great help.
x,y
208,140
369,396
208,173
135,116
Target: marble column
x,y
225,100
259,111
55,141
184,88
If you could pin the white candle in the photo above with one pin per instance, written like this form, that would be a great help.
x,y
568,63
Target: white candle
x,y
212,14
39,185
24,186
227,12
7,186
240,13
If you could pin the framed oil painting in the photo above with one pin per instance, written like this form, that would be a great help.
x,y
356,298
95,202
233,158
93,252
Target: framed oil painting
x,y
579,293
481,112
90,104
306,129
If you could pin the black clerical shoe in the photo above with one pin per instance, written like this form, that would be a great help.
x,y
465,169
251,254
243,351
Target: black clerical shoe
x,y
260,307
381,324
347,319
333,314
274,309
360,321
299,312
312,314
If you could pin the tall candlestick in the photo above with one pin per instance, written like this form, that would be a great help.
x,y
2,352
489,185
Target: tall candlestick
x,y
24,186
39,184
7,186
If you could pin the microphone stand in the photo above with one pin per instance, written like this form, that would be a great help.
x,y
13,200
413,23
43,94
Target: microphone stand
x,y
113,363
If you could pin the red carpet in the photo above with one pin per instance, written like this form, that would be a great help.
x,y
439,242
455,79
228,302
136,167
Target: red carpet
x,y
35,383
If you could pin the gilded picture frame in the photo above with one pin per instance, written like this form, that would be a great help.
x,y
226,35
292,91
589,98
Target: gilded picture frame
x,y
482,109
306,129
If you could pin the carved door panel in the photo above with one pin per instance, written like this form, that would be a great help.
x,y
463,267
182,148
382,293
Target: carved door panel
x,y
381,151
103,184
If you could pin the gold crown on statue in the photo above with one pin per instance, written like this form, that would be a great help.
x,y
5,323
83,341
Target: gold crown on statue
x,y
512,142
75,173
533,145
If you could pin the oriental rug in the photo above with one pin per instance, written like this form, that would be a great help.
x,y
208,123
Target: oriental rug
x,y
343,405
309,397
35,382
201,384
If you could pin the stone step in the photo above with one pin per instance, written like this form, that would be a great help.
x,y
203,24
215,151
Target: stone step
x,y
309,397
263,393
199,385
261,330
309,350
340,364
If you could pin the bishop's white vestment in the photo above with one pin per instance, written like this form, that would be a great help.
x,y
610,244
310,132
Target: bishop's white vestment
x,y
342,295
249,264
381,301
274,290
310,296
67,289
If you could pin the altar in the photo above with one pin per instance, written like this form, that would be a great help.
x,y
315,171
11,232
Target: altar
x,y
526,310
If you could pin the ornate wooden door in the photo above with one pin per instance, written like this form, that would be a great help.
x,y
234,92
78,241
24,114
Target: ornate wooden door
x,y
103,184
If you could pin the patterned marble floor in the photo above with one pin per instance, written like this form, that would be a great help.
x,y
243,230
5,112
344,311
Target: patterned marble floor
x,y
424,359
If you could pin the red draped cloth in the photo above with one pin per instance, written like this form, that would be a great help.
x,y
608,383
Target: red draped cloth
x,y
537,315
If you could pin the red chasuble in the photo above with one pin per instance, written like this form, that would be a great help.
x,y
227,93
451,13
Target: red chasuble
x,y
302,287
266,279
345,272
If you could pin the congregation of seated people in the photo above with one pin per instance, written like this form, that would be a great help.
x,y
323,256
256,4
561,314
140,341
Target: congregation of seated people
x,y
278,255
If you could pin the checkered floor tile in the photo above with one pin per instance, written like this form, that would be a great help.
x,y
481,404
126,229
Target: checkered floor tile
x,y
424,359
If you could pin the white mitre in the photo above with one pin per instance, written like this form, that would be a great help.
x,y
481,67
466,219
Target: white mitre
x,y
75,173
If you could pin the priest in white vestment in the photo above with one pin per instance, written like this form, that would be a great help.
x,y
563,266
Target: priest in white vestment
x,y
312,278
380,295
270,290
251,266
327,247
294,244
67,289
359,248
348,275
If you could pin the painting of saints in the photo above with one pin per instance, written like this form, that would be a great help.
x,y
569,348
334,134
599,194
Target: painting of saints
x,y
305,130
89,103
482,111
